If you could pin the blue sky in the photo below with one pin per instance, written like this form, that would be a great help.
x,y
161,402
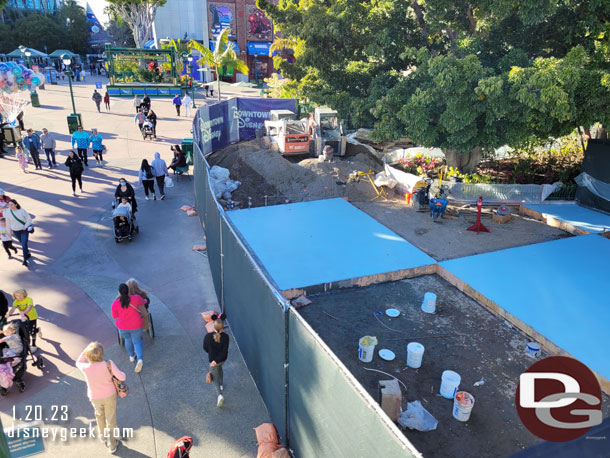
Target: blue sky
x,y
98,8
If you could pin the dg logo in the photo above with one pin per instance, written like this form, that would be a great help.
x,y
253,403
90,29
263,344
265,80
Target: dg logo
x,y
559,399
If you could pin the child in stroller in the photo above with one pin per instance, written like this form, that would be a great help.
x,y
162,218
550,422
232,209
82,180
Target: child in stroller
x,y
13,363
148,130
124,226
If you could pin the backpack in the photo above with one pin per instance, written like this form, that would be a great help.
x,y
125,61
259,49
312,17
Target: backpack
x,y
181,448
149,174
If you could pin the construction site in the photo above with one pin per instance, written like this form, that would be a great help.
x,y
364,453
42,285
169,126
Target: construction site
x,y
403,282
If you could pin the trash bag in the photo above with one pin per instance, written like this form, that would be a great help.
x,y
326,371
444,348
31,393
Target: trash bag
x,y
417,417
169,183
368,340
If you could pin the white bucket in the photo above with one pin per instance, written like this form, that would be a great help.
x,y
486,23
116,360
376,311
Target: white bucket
x,y
415,353
366,352
450,381
461,411
429,304
532,349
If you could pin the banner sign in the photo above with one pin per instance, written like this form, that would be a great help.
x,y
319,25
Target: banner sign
x,y
252,113
221,16
260,27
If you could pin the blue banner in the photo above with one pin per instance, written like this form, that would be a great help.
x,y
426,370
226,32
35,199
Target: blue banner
x,y
252,113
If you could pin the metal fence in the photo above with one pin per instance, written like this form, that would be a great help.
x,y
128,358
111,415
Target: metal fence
x,y
317,406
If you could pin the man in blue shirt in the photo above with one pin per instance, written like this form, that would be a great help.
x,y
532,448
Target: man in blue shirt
x,y
177,103
32,144
81,140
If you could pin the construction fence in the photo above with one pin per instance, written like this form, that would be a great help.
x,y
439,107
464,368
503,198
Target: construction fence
x,y
317,406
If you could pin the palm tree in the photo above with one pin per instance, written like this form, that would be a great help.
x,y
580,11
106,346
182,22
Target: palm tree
x,y
224,55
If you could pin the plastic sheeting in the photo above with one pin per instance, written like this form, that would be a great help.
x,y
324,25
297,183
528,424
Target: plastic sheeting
x,y
597,187
501,193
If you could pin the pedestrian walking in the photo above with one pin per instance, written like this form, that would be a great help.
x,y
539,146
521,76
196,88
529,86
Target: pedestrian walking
x,y
137,101
80,139
2,138
128,311
101,390
4,200
21,158
146,177
6,235
97,98
31,143
134,288
152,117
216,345
146,103
177,103
26,307
107,101
19,222
75,165
124,189
187,102
96,146
160,171
139,119
49,144
83,75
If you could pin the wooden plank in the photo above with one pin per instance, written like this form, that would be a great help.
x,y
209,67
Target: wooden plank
x,y
498,311
551,221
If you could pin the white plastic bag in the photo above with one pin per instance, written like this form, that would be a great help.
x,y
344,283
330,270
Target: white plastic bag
x,y
169,183
417,417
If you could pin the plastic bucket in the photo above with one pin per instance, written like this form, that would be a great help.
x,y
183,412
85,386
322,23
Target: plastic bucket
x,y
450,381
532,349
429,303
415,353
366,352
462,405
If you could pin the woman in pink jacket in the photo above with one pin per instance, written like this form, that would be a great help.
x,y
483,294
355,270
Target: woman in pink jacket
x,y
101,390
129,322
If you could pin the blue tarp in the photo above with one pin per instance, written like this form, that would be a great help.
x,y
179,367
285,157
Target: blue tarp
x,y
258,48
252,113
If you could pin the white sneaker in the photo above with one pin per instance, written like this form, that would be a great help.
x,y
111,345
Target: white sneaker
x,y
146,198
222,388
139,366
113,450
221,399
74,194
132,359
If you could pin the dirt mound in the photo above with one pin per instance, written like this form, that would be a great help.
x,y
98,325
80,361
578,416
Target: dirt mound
x,y
263,172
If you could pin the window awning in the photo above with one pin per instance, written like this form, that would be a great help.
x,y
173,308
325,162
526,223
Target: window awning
x,y
258,48
235,46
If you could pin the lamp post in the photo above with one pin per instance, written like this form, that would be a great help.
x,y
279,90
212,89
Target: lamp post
x,y
27,53
74,120
190,59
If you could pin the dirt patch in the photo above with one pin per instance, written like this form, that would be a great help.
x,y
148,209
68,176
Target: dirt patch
x,y
488,349
263,172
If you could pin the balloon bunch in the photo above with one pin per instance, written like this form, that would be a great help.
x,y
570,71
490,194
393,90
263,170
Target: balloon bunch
x,y
17,77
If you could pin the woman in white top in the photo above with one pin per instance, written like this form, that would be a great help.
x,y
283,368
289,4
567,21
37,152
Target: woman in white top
x,y
19,221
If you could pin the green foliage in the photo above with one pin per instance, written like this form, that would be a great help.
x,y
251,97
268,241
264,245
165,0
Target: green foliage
x,y
67,29
120,33
462,76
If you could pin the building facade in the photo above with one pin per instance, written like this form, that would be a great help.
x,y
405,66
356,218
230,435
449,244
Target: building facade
x,y
181,19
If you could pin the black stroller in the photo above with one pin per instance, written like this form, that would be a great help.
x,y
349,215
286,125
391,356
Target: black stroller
x,y
19,369
124,227
147,130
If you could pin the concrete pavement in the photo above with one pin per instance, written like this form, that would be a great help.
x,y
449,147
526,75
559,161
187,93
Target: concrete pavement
x,y
74,274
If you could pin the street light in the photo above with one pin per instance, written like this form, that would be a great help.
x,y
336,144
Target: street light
x,y
74,119
190,59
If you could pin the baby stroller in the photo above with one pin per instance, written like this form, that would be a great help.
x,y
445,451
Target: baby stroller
x,y
124,227
19,363
147,130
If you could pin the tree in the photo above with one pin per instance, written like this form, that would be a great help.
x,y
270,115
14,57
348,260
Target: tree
x,y
26,31
120,33
138,14
463,75
224,55
73,20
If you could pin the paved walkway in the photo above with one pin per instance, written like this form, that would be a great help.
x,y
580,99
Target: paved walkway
x,y
73,278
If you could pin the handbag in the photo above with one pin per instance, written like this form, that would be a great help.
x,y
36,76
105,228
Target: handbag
x,y
169,183
144,315
121,387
